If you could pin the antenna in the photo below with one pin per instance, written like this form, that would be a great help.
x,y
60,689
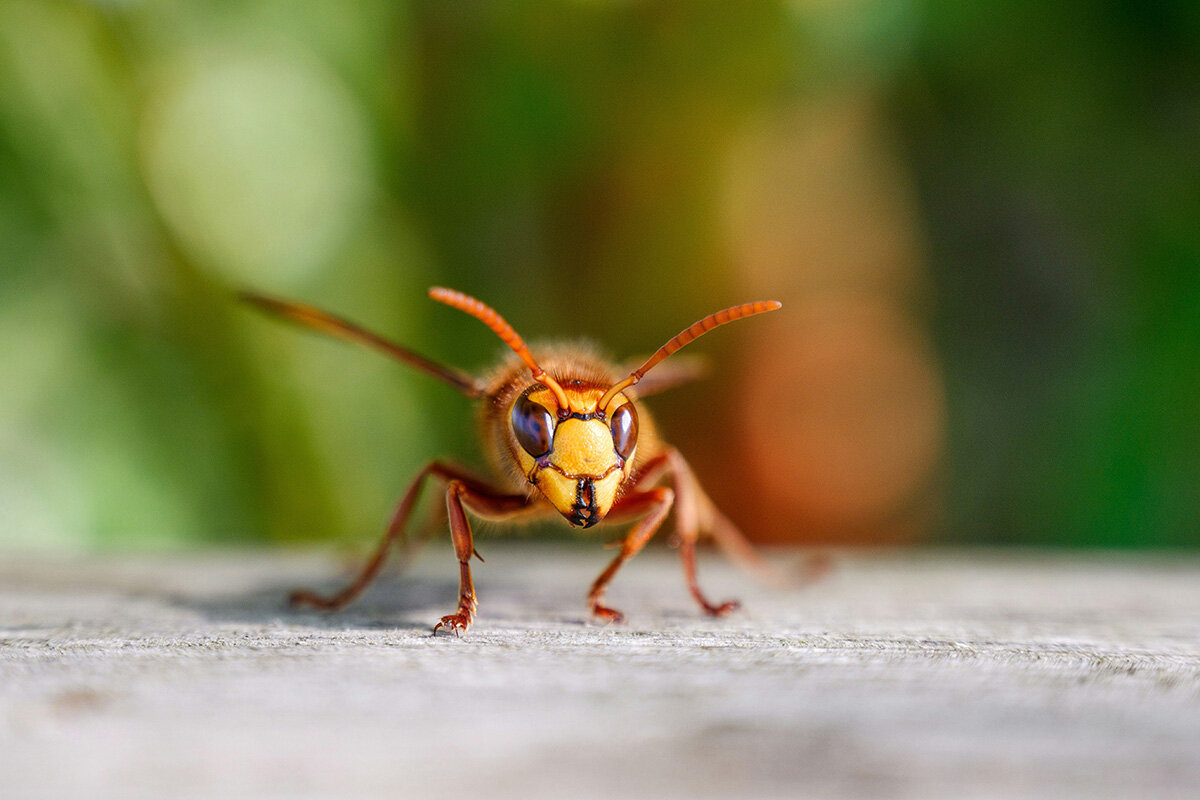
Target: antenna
x,y
490,317
686,337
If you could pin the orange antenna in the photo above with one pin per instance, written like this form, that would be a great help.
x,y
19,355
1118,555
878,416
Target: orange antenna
x,y
686,337
488,316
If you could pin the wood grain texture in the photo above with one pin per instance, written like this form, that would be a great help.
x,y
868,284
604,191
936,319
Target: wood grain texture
x,y
924,675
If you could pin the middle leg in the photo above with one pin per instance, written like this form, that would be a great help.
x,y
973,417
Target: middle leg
x,y
694,512
395,533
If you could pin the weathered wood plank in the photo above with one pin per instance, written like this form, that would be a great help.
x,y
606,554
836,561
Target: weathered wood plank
x,y
918,675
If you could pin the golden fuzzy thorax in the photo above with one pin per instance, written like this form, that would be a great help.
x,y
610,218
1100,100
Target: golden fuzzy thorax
x,y
582,473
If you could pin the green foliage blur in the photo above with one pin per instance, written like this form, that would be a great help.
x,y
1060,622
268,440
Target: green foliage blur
x,y
1055,149
565,163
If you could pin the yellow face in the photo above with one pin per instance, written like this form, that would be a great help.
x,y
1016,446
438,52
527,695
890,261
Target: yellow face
x,y
579,456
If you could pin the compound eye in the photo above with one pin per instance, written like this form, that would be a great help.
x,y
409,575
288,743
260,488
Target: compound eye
x,y
625,430
533,426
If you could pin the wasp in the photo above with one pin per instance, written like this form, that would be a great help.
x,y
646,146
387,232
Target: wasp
x,y
566,433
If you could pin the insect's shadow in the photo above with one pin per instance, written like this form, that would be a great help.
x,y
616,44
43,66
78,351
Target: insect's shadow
x,y
400,603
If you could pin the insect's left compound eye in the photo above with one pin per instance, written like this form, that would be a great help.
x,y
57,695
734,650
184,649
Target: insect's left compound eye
x,y
533,426
624,430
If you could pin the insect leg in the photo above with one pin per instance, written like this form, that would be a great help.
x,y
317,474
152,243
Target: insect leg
x,y
394,532
489,506
694,512
658,504
732,541
696,515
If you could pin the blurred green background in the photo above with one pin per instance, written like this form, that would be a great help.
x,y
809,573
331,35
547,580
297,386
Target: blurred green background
x,y
983,220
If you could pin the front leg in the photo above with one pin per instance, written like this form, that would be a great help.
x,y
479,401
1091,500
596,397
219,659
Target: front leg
x,y
655,504
464,548
489,506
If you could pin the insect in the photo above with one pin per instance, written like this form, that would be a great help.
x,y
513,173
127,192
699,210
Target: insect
x,y
566,433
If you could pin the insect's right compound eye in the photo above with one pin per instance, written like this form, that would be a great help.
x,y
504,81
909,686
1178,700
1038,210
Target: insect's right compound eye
x,y
625,430
533,426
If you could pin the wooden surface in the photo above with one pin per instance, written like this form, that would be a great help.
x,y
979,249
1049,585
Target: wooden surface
x,y
918,675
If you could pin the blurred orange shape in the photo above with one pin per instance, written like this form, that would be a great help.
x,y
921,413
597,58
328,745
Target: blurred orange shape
x,y
846,429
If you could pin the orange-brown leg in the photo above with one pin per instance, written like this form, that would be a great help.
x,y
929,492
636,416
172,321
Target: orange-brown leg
x,y
687,554
696,514
394,532
489,506
464,548
655,504
690,519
